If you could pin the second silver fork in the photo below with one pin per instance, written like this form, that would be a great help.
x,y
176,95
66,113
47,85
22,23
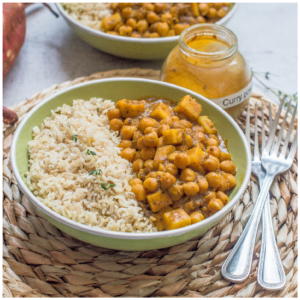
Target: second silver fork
x,y
237,266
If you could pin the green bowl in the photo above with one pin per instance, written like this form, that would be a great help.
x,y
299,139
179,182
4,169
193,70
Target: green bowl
x,y
134,48
116,89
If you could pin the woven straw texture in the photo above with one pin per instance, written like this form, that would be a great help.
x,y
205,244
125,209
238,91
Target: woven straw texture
x,y
41,261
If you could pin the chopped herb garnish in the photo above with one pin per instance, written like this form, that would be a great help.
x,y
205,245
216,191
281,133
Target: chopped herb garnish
x,y
107,187
97,171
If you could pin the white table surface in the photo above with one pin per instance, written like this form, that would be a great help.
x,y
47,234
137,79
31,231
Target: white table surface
x,y
52,53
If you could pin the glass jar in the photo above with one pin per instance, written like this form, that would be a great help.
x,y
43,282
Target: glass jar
x,y
207,62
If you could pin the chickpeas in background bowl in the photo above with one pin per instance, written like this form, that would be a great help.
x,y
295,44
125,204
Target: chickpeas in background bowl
x,y
146,31
125,88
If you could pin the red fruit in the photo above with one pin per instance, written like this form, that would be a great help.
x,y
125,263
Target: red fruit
x,y
14,29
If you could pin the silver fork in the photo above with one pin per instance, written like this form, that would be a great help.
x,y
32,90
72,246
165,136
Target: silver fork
x,y
237,266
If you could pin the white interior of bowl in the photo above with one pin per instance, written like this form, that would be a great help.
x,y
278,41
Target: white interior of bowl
x,y
125,235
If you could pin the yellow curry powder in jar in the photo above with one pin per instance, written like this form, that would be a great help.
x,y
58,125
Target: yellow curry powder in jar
x,y
207,62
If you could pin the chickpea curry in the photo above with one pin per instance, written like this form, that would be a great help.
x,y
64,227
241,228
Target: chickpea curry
x,y
153,20
182,166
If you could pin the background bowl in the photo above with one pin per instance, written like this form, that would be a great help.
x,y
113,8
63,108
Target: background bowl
x,y
134,48
116,89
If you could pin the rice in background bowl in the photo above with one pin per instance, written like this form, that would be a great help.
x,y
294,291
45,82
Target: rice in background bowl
x,y
59,169
88,14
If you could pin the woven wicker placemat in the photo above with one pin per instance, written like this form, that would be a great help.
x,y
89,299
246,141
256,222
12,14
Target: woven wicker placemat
x,y
41,261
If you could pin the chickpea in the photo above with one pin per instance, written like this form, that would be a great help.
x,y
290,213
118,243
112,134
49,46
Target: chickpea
x,y
217,5
200,137
159,7
126,12
162,128
167,180
113,114
149,6
187,19
128,154
190,189
151,139
176,192
132,23
182,160
139,192
180,27
163,28
136,135
137,155
186,123
224,185
135,181
147,122
174,11
215,205
175,118
230,179
137,165
152,17
142,26
214,151
136,35
223,197
188,206
149,163
150,129
171,32
125,144
197,129
167,121
204,8
212,136
147,153
131,122
221,13
172,169
150,184
117,27
182,148
189,141
125,30
212,13
153,27
203,185
200,20
161,168
228,166
214,179
211,163
172,156
115,124
141,13
140,143
211,142
187,175
126,132
196,217
176,124
224,156
154,35
209,196
167,18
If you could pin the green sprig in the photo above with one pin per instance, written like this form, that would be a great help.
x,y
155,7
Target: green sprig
x,y
97,171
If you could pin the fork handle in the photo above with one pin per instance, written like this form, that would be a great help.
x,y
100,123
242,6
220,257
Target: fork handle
x,y
270,274
237,265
